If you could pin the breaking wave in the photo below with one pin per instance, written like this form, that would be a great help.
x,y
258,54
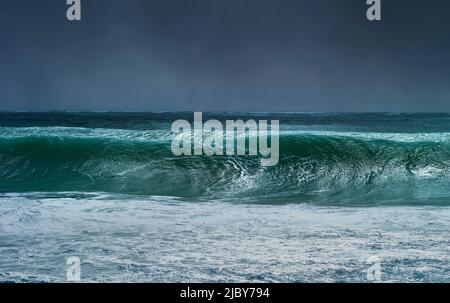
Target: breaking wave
x,y
329,168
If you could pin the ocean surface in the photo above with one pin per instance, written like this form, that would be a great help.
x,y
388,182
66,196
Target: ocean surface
x,y
106,188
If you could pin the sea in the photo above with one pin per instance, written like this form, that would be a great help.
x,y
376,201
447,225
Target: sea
x,y
355,197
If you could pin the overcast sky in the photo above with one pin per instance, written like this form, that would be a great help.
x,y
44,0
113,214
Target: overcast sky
x,y
233,55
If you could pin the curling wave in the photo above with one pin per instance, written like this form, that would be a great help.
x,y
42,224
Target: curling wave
x,y
332,168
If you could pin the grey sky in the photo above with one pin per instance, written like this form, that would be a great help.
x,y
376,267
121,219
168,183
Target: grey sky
x,y
233,55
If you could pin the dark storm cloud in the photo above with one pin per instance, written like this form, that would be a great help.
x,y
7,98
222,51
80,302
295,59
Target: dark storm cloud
x,y
252,55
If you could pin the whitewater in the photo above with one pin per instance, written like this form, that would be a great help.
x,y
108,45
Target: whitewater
x,y
105,187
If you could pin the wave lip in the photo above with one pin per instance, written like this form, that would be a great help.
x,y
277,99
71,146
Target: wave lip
x,y
321,167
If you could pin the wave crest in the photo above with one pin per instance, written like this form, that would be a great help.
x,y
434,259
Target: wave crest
x,y
314,167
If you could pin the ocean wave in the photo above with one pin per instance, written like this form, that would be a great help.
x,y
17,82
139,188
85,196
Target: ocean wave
x,y
337,168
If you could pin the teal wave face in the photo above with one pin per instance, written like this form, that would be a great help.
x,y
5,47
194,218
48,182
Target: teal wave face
x,y
331,168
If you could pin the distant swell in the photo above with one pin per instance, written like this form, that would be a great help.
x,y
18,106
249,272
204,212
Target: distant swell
x,y
316,167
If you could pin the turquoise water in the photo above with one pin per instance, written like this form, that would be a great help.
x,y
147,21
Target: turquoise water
x,y
105,187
